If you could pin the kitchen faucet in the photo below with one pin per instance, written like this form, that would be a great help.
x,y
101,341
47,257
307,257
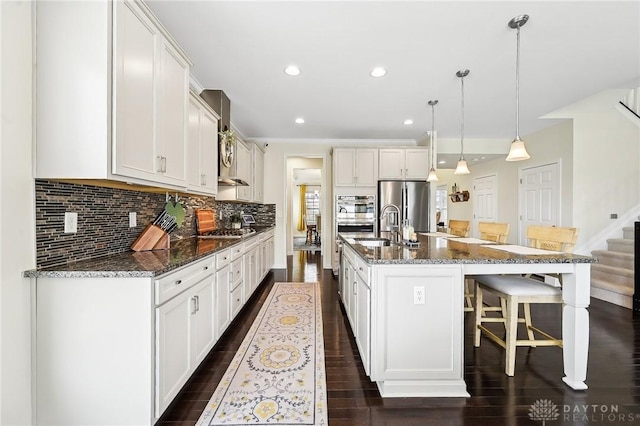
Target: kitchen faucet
x,y
393,220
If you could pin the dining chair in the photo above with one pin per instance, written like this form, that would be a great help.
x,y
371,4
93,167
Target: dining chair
x,y
459,228
514,290
489,231
493,231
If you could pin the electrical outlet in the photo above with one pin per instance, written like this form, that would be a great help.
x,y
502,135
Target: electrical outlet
x,y
133,220
70,222
418,296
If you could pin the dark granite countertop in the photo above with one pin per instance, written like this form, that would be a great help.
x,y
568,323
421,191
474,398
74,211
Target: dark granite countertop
x,y
441,250
137,264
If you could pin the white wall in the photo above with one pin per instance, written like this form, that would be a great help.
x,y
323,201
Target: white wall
x,y
548,145
606,171
17,224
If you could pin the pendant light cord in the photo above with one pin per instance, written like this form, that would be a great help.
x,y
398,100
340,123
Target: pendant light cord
x,y
433,117
518,83
462,121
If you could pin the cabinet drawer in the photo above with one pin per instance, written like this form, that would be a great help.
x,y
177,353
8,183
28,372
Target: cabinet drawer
x,y
236,251
175,282
362,269
250,244
223,259
236,300
236,272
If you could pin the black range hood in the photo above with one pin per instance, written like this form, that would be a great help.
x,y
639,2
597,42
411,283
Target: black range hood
x,y
227,165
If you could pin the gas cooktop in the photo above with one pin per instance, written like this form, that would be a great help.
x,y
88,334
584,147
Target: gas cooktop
x,y
228,233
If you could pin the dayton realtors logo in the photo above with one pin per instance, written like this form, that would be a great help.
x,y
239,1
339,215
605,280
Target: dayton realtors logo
x,y
545,410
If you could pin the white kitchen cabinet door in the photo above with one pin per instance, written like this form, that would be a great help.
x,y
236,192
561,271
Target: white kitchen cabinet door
x,y
363,320
416,163
391,164
202,327
258,174
173,344
366,167
135,77
202,147
209,152
344,161
171,107
244,172
223,310
250,272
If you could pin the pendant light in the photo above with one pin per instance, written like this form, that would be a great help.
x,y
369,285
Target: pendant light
x,y
462,168
433,177
518,152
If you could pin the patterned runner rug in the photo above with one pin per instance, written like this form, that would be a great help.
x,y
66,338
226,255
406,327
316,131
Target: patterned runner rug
x,y
277,376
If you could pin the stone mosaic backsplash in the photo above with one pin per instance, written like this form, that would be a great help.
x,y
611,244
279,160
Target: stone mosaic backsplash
x,y
103,218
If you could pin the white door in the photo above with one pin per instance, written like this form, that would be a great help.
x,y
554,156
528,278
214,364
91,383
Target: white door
x,y
485,202
539,196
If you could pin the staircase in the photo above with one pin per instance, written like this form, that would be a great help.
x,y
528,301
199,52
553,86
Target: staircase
x,y
612,277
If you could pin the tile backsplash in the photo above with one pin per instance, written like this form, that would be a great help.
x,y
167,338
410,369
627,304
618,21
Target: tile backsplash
x,y
103,218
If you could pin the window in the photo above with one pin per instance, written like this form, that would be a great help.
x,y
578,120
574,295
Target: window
x,y
312,200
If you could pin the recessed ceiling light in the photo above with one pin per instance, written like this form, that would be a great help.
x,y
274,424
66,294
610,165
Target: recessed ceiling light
x,y
442,162
408,121
378,72
292,70
475,159
300,120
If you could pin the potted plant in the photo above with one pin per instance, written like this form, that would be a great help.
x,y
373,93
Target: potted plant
x,y
236,220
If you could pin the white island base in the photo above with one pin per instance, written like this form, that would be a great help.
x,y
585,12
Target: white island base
x,y
417,331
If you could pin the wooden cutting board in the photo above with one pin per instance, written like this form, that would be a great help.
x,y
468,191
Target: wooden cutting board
x,y
205,221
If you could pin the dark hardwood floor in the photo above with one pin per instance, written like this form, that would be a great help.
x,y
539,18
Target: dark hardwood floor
x,y
613,397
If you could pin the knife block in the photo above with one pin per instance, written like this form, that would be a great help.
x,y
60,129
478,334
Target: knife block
x,y
151,238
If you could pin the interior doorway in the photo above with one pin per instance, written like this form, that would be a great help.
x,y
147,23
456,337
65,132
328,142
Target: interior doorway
x,y
306,203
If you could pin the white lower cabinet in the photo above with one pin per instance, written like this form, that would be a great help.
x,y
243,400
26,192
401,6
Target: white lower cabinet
x,y
185,335
223,310
362,296
147,335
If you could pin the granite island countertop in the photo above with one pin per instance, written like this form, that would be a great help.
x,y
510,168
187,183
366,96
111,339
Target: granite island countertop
x,y
447,250
140,264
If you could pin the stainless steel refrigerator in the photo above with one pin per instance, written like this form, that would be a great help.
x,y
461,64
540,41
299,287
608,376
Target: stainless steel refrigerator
x,y
412,200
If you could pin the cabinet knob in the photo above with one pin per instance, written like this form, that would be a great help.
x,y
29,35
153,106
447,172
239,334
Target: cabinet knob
x,y
178,282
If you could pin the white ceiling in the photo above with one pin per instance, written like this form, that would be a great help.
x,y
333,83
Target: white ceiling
x,y
569,51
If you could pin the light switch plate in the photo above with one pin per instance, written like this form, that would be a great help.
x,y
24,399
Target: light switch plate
x,y
70,222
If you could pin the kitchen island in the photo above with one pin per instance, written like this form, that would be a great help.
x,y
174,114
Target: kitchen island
x,y
405,307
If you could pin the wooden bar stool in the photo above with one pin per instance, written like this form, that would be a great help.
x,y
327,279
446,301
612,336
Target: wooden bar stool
x,y
514,290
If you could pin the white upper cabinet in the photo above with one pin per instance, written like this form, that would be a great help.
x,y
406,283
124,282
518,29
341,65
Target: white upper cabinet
x,y
242,160
404,163
112,94
202,147
257,183
355,166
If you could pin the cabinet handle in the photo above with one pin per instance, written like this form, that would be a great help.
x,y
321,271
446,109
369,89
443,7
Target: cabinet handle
x,y
164,164
355,291
203,179
197,303
193,305
178,282
159,168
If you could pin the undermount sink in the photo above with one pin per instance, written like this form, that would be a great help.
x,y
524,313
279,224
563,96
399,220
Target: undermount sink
x,y
373,242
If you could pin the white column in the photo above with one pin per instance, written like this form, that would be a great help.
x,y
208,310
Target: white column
x,y
575,325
